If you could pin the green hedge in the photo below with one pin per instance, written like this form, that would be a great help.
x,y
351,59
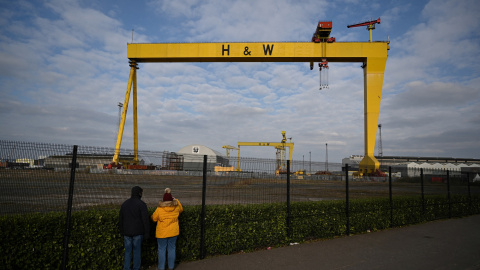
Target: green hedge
x,y
34,241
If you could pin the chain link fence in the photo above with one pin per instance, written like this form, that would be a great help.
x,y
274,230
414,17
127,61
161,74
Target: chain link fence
x,y
35,177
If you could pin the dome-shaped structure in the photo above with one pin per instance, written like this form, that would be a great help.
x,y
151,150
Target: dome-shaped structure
x,y
193,157
198,149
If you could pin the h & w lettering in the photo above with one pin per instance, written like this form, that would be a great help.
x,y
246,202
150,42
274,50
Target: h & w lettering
x,y
226,50
268,49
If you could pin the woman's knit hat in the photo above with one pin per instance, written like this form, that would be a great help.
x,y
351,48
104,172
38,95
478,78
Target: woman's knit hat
x,y
167,196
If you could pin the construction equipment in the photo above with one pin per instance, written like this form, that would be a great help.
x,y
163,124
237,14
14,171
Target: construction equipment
x,y
301,172
376,173
322,33
372,55
370,25
323,75
112,165
323,173
281,156
224,169
228,148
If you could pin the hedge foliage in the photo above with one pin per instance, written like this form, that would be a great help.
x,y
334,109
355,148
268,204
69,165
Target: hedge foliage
x,y
34,241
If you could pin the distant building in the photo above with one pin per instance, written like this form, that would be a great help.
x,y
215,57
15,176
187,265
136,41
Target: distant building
x,y
84,161
410,166
189,158
193,158
28,161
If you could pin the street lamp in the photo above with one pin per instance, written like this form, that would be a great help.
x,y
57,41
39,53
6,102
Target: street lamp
x,y
326,157
310,161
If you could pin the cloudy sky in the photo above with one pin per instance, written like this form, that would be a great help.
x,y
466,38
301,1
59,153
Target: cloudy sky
x,y
64,68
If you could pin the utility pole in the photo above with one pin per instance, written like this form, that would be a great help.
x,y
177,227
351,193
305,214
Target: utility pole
x,y
380,148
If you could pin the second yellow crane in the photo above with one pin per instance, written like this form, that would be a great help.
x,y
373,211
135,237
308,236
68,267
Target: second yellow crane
x,y
281,152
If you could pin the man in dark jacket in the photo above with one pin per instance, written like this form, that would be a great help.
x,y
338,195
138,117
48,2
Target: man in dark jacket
x,y
134,225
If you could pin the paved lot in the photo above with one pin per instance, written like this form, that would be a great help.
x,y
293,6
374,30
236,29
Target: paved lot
x,y
445,244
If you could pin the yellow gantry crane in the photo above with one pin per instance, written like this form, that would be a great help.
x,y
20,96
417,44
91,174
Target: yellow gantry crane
x,y
372,55
281,152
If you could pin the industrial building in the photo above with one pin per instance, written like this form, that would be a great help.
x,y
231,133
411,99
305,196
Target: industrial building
x,y
193,158
410,166
189,158
84,161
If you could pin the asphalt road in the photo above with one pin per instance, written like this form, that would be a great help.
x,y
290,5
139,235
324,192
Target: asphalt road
x,y
445,244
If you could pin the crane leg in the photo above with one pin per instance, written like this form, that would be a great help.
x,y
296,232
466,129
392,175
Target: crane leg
x,y
133,68
238,160
373,80
135,126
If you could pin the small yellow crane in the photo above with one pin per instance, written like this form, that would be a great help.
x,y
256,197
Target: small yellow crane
x,y
223,168
229,148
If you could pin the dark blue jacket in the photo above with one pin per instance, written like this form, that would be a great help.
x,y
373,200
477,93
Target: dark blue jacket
x,y
134,218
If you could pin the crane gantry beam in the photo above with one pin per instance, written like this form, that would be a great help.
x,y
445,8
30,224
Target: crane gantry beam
x,y
373,55
278,145
256,52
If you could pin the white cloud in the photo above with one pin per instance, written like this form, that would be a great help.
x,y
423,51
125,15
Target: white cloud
x,y
243,20
64,68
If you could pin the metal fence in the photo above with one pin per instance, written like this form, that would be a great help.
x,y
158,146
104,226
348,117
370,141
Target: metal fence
x,y
36,177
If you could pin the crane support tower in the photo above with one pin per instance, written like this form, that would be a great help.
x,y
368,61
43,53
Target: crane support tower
x,y
372,55
132,82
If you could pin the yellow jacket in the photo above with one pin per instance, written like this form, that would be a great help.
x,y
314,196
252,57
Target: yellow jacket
x,y
166,216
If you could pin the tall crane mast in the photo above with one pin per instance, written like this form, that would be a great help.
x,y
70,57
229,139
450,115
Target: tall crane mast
x,y
370,25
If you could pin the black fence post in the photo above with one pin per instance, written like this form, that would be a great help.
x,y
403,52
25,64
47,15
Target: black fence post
x,y
347,207
448,195
423,192
66,238
390,195
202,217
289,222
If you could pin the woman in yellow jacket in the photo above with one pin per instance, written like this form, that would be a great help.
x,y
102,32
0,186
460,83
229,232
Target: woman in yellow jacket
x,y
166,216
